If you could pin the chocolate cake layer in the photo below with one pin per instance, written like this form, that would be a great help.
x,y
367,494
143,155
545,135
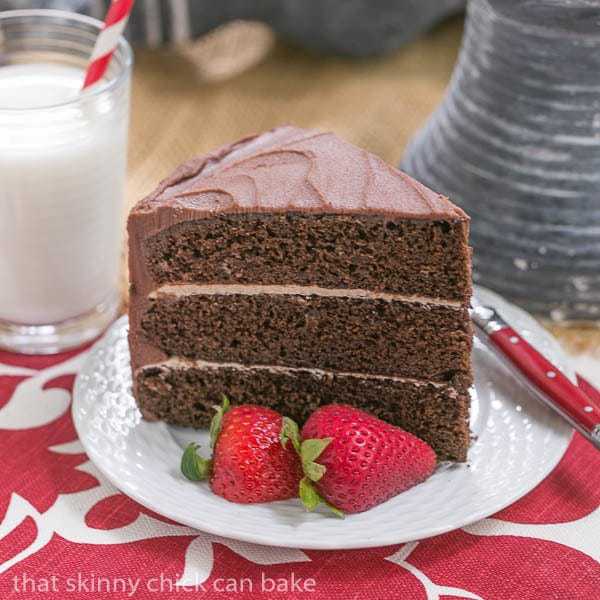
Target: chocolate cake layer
x,y
184,393
343,333
338,251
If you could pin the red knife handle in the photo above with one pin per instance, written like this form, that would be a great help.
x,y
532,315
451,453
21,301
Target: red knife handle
x,y
568,398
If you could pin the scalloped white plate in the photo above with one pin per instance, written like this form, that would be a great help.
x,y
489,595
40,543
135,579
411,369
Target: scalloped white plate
x,y
518,442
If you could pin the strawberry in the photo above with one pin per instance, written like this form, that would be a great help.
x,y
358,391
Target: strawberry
x,y
362,460
249,463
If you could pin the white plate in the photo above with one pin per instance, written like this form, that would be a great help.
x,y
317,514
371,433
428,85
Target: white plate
x,y
518,442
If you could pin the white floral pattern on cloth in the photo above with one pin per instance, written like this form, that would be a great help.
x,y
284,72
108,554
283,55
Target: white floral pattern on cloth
x,y
59,517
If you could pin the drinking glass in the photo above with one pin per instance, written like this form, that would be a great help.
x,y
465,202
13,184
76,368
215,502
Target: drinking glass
x,y
62,180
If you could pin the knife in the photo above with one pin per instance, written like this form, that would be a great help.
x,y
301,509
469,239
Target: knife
x,y
548,382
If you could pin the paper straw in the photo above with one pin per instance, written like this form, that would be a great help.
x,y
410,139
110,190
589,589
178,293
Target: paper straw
x,y
107,41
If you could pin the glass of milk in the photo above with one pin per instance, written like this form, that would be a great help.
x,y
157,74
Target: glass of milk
x,y
62,178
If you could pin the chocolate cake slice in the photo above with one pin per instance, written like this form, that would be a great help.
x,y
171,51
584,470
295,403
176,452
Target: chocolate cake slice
x,y
292,269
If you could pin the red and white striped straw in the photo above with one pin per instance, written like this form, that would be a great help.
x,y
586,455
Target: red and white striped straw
x,y
106,43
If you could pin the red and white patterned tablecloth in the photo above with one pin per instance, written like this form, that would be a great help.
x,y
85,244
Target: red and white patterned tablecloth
x,y
65,532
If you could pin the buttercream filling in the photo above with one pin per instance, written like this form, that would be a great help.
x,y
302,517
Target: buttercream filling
x,y
186,363
191,289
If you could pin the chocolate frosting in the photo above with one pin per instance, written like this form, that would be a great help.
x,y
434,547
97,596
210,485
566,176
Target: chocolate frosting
x,y
292,169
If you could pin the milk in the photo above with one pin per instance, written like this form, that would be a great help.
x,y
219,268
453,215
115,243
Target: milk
x,y
62,169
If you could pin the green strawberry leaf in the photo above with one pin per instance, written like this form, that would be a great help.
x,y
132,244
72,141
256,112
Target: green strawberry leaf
x,y
309,495
312,449
217,420
193,466
290,432
309,450
310,498
314,471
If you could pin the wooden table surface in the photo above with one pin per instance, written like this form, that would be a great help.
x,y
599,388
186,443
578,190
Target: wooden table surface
x,y
240,80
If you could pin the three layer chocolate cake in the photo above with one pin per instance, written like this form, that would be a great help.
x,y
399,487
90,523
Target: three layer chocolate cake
x,y
293,269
